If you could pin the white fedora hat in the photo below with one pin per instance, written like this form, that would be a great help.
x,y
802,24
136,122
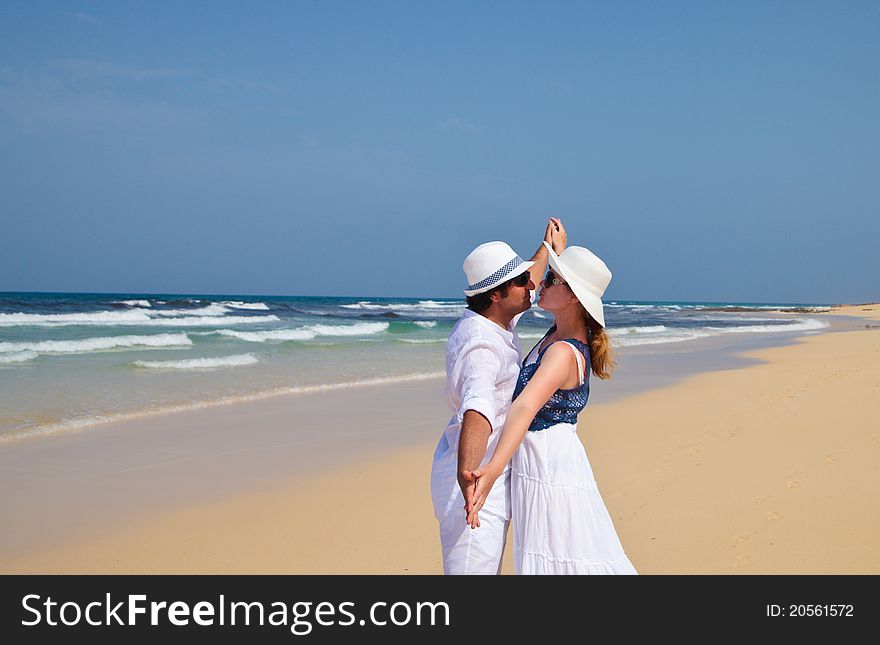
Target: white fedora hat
x,y
587,276
490,264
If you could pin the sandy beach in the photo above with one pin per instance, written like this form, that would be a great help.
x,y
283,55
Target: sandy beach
x,y
763,469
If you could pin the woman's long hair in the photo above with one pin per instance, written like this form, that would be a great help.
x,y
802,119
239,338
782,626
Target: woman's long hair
x,y
601,360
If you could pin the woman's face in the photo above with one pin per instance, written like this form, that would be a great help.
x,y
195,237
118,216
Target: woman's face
x,y
554,297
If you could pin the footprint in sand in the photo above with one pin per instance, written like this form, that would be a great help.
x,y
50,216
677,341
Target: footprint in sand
x,y
760,499
773,516
834,456
743,561
792,481
742,537
875,441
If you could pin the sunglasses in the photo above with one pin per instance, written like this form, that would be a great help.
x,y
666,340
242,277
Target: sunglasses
x,y
522,279
552,279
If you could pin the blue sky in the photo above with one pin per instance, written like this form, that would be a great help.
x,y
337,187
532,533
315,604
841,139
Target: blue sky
x,y
705,150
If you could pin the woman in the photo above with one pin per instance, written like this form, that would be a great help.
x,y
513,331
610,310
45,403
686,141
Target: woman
x,y
561,525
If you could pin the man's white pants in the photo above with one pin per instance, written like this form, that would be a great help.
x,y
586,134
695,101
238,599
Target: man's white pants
x,y
468,551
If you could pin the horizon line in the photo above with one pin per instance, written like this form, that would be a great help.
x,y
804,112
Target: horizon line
x,y
362,297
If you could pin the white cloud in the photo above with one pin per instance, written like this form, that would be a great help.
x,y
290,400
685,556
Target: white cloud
x,y
84,68
243,84
460,125
38,101
84,17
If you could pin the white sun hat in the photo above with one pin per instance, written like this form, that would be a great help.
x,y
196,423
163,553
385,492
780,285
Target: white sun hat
x,y
490,264
587,276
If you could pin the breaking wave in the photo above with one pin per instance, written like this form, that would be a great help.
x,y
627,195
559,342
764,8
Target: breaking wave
x,y
304,333
97,344
199,363
17,357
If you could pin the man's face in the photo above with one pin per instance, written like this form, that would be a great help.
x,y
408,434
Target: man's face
x,y
519,297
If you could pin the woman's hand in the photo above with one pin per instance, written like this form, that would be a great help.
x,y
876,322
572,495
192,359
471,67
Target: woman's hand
x,y
558,236
485,477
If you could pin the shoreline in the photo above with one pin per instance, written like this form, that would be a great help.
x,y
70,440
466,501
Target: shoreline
x,y
76,425
156,541
721,350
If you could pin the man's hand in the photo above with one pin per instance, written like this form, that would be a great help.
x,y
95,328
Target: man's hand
x,y
475,431
468,482
548,232
485,478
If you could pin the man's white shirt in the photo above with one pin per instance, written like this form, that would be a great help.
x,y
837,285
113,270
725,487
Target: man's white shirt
x,y
482,366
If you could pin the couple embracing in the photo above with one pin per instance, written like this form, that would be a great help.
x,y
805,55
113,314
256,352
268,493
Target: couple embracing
x,y
510,450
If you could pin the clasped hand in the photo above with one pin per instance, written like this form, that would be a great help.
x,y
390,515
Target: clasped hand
x,y
482,479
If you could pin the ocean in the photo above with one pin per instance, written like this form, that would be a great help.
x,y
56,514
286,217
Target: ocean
x,y
71,360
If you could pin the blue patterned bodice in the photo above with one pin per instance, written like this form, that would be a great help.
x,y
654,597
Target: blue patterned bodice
x,y
564,405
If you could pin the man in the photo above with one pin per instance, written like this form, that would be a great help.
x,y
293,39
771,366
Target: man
x,y
482,365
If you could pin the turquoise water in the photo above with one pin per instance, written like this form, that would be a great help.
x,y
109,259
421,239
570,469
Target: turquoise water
x,y
70,360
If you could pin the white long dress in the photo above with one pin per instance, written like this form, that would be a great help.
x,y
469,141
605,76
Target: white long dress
x,y
560,522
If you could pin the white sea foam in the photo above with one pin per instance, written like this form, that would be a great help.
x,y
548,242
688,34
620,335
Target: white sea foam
x,y
672,335
214,321
235,304
314,312
656,339
140,313
647,329
92,318
209,310
784,308
439,305
427,324
17,357
199,363
810,324
358,329
420,341
426,307
365,305
421,304
133,303
136,317
737,318
648,335
305,333
97,344
816,309
268,335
